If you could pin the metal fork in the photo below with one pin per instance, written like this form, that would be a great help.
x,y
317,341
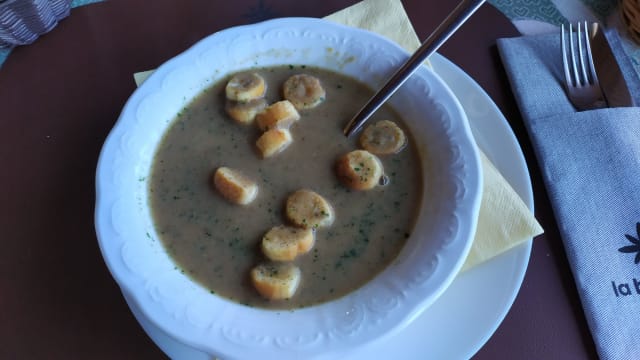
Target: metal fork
x,y
581,80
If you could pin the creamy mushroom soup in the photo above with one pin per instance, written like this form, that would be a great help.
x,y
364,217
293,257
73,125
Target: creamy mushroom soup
x,y
217,243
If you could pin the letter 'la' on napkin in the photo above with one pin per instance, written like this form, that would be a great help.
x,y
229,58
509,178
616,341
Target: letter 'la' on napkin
x,y
590,162
504,220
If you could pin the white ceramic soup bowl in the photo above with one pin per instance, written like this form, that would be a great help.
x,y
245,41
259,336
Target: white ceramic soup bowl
x,y
186,311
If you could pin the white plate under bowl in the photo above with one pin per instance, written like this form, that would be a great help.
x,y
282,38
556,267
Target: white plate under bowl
x,y
189,313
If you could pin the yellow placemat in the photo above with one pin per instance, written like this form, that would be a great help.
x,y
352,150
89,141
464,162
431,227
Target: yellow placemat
x,y
384,17
505,220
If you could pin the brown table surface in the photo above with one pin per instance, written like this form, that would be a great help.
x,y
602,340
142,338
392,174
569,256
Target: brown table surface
x,y
59,98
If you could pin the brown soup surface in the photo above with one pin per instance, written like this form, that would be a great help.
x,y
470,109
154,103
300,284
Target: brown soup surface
x,y
217,243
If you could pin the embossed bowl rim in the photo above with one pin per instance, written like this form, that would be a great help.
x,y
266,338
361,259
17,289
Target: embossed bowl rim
x,y
184,310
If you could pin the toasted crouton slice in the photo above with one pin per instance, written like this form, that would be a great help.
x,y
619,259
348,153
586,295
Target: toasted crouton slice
x,y
234,186
307,209
304,91
276,281
279,115
359,170
245,112
285,243
383,138
273,142
245,87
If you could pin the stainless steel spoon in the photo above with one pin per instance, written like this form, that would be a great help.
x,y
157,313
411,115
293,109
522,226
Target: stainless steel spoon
x,y
450,25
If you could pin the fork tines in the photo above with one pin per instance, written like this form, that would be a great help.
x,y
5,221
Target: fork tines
x,y
575,78
581,79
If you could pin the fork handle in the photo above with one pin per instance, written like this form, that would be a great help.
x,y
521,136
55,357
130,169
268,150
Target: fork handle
x,y
450,25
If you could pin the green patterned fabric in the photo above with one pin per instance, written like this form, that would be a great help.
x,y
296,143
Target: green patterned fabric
x,y
4,53
76,3
541,10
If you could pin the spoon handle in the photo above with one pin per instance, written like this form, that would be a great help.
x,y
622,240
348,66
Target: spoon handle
x,y
450,25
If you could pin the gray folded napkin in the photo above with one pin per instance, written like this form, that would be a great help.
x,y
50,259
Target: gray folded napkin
x,y
590,162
